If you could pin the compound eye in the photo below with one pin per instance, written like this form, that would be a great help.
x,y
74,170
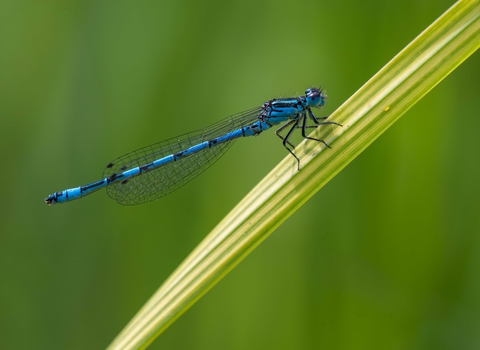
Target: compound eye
x,y
312,92
314,97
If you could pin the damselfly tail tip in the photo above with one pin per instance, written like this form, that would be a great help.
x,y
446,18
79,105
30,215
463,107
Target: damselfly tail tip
x,y
48,200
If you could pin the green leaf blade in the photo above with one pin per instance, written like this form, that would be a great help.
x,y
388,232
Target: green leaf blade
x,y
365,116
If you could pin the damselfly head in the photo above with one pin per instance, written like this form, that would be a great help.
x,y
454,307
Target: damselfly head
x,y
315,97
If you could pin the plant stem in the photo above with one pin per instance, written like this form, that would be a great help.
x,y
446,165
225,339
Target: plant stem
x,y
365,116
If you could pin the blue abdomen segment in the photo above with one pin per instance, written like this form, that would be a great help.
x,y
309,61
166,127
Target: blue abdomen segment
x,y
75,193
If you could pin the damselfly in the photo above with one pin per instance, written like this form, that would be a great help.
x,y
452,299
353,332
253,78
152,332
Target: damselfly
x,y
154,171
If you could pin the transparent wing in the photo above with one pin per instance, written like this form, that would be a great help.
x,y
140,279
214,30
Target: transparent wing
x,y
156,183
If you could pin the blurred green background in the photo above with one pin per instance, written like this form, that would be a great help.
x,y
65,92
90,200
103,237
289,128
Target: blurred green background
x,y
386,256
